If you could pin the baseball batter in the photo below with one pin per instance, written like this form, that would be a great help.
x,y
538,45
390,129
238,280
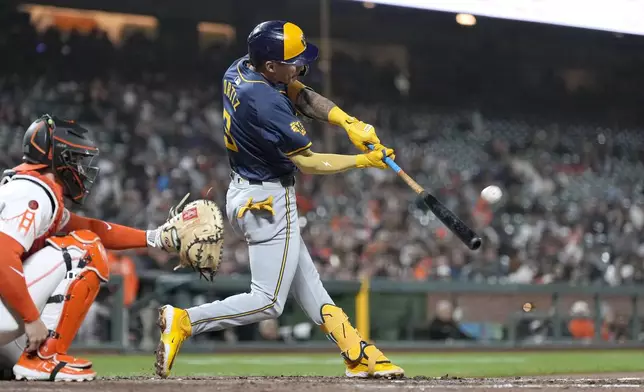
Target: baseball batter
x,y
267,144
52,261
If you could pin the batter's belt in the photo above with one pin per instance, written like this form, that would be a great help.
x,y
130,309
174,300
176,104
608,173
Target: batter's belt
x,y
285,181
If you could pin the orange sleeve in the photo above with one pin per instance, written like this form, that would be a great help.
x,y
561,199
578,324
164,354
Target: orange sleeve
x,y
113,236
13,287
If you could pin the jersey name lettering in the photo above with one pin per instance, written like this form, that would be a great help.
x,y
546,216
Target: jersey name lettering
x,y
231,94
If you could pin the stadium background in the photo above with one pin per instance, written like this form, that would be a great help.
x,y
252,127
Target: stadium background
x,y
551,114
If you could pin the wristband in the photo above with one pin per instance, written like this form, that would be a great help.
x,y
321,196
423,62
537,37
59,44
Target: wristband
x,y
338,117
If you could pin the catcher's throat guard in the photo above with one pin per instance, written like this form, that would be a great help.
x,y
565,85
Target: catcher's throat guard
x,y
196,231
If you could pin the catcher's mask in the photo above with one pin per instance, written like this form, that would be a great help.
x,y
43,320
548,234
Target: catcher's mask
x,y
65,148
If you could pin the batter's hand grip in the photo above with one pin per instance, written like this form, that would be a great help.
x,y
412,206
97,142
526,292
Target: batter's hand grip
x,y
390,162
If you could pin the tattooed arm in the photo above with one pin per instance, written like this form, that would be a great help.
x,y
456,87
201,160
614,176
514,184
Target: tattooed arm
x,y
317,107
310,103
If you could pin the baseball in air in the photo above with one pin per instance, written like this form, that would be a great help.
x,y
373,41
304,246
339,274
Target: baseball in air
x,y
491,194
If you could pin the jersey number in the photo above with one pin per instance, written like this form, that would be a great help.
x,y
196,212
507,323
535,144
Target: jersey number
x,y
228,138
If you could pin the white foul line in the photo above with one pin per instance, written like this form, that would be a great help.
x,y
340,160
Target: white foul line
x,y
296,360
492,386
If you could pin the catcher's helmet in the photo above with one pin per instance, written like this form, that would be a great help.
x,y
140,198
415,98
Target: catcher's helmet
x,y
280,41
65,148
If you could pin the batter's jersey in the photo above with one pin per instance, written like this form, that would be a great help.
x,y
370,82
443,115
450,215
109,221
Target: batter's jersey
x,y
260,124
29,210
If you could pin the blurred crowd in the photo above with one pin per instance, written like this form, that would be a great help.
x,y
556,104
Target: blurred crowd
x,y
572,203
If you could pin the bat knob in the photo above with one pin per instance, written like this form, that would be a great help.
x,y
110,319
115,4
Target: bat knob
x,y
475,243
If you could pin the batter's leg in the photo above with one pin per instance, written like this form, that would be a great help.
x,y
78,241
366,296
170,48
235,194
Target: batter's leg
x,y
272,267
362,359
274,251
307,288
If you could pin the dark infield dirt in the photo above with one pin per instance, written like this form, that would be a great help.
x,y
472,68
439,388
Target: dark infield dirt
x,y
319,384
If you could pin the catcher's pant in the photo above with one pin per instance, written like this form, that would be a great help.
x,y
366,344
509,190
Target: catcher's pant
x,y
266,215
43,272
49,277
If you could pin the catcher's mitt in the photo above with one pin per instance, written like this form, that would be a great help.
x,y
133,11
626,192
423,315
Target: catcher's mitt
x,y
196,232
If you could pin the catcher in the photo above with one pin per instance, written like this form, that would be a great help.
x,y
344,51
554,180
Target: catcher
x,y
267,144
53,261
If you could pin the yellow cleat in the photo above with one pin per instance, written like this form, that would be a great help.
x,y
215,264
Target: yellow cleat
x,y
372,364
175,329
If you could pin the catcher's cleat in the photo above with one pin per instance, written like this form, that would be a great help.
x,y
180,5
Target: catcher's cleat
x,y
175,328
75,362
372,364
34,368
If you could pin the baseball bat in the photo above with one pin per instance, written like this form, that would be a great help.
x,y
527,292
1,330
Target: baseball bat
x,y
449,218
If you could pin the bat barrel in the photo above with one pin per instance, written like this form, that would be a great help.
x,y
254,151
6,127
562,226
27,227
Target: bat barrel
x,y
453,222
444,214
475,243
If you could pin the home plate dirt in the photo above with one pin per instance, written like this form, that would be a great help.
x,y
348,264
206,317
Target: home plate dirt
x,y
323,384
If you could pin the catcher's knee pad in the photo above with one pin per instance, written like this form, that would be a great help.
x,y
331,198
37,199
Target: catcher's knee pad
x,y
68,305
337,328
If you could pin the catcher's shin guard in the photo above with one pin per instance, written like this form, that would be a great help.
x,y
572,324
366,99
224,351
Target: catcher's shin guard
x,y
70,302
362,359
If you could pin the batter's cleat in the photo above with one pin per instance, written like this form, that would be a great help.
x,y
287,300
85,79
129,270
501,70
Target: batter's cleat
x,y
372,364
34,368
175,329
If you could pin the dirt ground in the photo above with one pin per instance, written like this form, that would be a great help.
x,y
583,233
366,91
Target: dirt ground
x,y
320,384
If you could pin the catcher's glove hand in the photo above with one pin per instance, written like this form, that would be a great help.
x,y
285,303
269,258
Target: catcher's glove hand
x,y
196,232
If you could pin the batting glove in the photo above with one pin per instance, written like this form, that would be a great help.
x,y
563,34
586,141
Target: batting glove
x,y
361,134
375,158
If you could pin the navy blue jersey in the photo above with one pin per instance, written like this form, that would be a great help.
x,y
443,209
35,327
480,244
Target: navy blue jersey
x,y
260,124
